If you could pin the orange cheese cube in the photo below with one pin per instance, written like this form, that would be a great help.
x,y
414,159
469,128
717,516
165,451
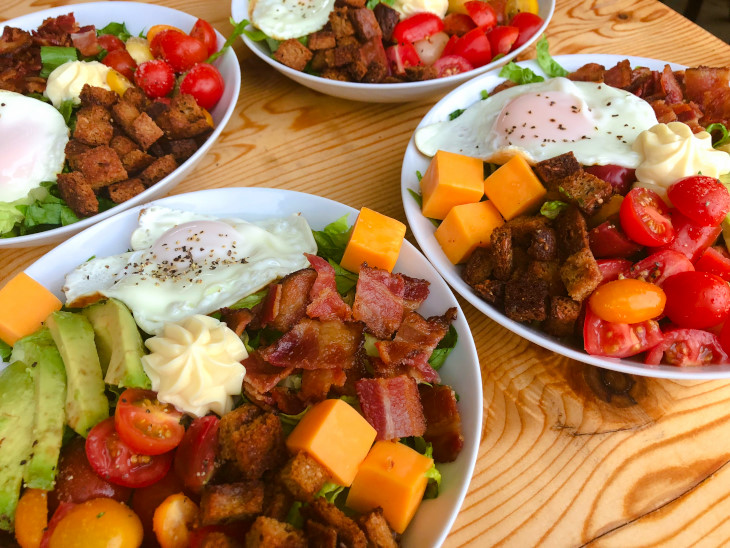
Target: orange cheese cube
x,y
336,435
376,239
514,188
451,179
467,227
392,476
24,306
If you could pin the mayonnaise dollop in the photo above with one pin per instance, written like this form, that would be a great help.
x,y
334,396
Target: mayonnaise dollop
x,y
671,151
195,365
406,8
67,80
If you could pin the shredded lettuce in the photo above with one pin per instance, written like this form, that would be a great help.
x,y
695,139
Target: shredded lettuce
x,y
53,57
372,3
330,491
5,350
484,94
551,210
724,138
519,75
294,516
251,300
344,279
238,29
444,348
10,216
419,200
331,241
549,66
117,29
67,111
43,209
288,422
417,443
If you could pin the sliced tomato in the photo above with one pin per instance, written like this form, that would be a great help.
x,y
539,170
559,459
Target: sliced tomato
x,y
528,24
401,56
121,61
621,178
690,238
204,31
501,39
684,347
474,47
449,49
703,199
611,269
458,24
657,267
696,299
715,260
146,425
482,14
417,27
449,65
110,42
195,457
618,340
607,240
117,463
645,219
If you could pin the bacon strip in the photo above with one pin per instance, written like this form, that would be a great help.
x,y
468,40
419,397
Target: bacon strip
x,y
392,406
316,383
670,86
85,41
293,299
55,31
415,291
443,421
263,376
619,76
326,303
315,344
236,319
699,80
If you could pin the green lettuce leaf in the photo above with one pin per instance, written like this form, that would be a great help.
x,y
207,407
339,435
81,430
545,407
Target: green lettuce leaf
x,y
10,216
117,29
330,491
53,57
519,75
344,279
331,241
724,137
5,350
444,348
251,300
548,65
238,29
551,210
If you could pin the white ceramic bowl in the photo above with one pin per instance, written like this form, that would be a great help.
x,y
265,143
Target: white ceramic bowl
x,y
423,229
461,370
383,93
137,17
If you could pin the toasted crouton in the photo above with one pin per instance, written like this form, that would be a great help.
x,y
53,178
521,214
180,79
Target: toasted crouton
x,y
492,291
158,170
93,126
377,529
92,95
573,230
270,533
340,22
501,246
303,476
145,131
184,119
182,149
101,167
553,169
216,539
229,502
543,245
125,190
526,299
125,114
320,40
73,150
78,194
347,530
365,24
122,145
320,535
585,190
136,160
580,274
564,312
135,96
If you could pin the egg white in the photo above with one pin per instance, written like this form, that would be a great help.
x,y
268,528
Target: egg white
x,y
284,19
597,122
33,137
184,263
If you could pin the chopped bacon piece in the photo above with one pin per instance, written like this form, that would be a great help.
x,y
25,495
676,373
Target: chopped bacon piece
x,y
14,40
379,301
326,303
664,113
670,86
415,291
619,76
392,406
287,401
688,113
591,72
271,305
315,344
443,421
56,31
717,107
701,79
642,82
316,383
263,376
236,319
294,299
85,41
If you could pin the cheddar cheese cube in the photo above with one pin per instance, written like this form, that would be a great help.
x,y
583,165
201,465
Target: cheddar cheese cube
x,y
514,188
451,179
376,239
335,435
467,227
24,306
392,476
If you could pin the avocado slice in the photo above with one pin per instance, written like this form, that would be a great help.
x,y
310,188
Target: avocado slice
x,y
49,379
86,404
16,420
118,343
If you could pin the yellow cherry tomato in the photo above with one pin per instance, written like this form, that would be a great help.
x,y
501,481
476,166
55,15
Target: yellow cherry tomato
x,y
117,82
31,518
173,520
457,6
139,49
513,7
156,29
627,301
98,523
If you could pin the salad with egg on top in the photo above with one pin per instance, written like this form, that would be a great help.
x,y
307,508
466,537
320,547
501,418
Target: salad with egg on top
x,y
236,381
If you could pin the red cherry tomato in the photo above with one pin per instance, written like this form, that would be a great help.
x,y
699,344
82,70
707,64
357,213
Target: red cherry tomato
x,y
116,462
458,24
146,425
401,56
195,457
658,266
204,31
417,27
690,238
724,337
156,41
611,269
705,200
155,77
696,299
620,177
644,218
181,51
683,347
146,499
715,260
121,61
77,482
205,83
474,47
618,340
501,39
627,301
449,65
482,14
110,42
500,9
607,240
528,24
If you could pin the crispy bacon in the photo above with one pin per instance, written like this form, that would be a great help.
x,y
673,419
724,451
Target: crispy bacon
x,y
701,79
619,76
316,383
443,421
690,114
717,107
14,40
326,303
271,305
670,86
642,82
56,31
294,298
263,376
20,62
591,72
315,344
287,401
236,319
392,406
664,113
85,41
415,291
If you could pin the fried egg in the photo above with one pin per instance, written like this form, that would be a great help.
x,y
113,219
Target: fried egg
x,y
597,122
184,263
284,19
33,137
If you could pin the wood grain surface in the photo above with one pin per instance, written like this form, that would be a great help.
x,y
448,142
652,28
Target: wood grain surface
x,y
570,455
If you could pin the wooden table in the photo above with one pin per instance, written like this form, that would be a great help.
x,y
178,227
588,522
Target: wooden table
x,y
570,455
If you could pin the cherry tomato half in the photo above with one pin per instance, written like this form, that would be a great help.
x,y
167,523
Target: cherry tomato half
x,y
501,39
703,199
618,340
155,77
620,177
110,42
121,61
683,347
690,238
658,266
627,301
195,457
181,51
696,299
458,24
401,56
116,462
474,47
482,14
204,31
146,499
607,240
644,218
205,84
146,425
417,27
715,260
528,24
449,65
611,269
